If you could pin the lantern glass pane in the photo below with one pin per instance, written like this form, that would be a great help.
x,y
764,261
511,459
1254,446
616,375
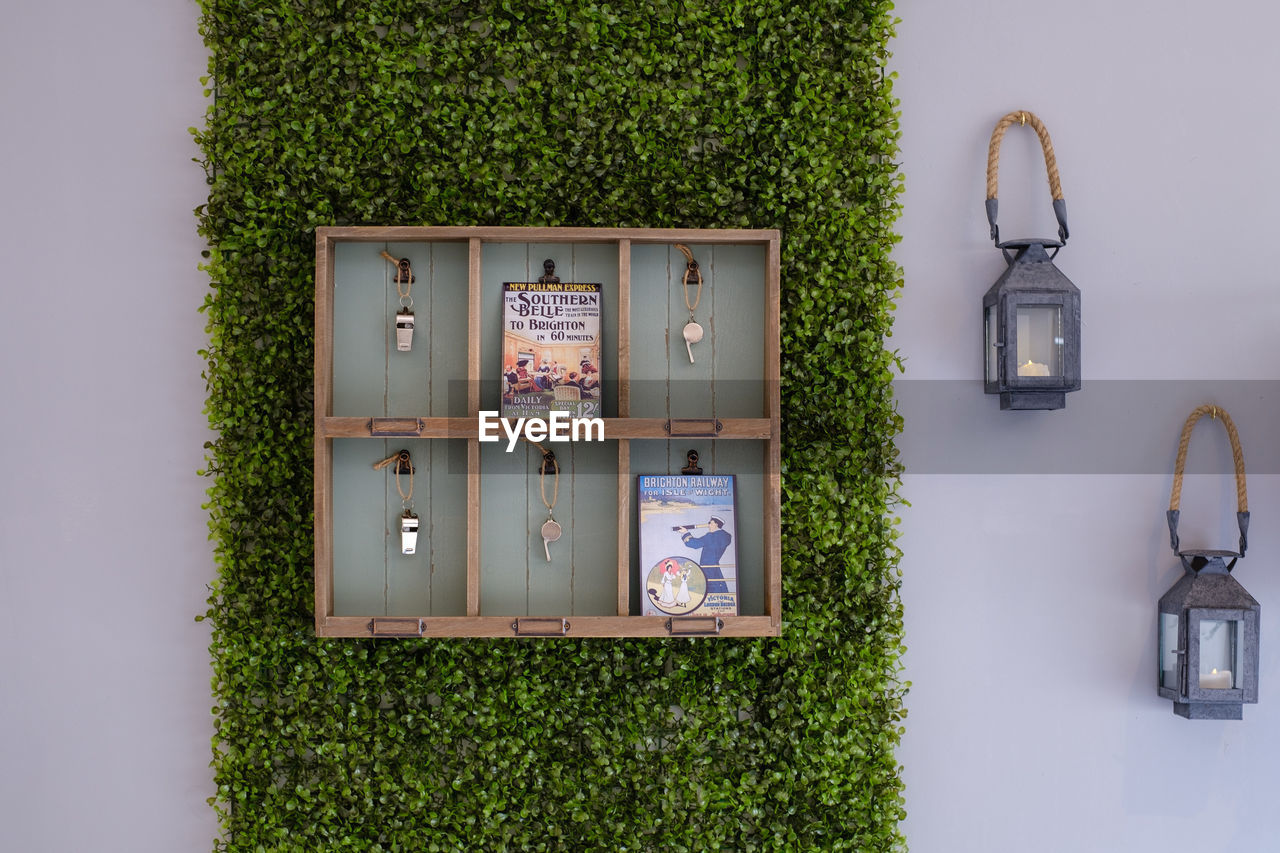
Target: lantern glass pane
x,y
1219,653
1169,651
993,351
1040,343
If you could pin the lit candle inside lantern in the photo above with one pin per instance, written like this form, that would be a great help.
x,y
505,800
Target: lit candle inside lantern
x,y
1033,368
1216,680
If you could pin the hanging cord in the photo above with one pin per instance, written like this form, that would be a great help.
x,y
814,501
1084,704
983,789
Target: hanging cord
x,y
1237,456
690,268
547,456
404,278
402,456
1023,117
1050,159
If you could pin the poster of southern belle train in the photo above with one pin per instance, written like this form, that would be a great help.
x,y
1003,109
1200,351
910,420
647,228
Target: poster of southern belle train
x,y
550,349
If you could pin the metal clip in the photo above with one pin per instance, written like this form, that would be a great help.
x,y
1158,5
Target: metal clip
x,y
549,463
404,272
692,469
549,273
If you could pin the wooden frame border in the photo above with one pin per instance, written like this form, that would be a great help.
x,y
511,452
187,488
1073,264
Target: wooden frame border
x,y
623,428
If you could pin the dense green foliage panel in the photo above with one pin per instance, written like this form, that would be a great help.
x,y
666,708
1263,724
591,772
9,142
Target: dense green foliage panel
x,y
770,114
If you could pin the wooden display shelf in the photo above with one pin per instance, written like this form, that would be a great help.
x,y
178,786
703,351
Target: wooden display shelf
x,y
479,570
668,428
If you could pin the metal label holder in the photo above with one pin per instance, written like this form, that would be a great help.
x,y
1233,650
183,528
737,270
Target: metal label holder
x,y
387,427
540,626
383,627
694,626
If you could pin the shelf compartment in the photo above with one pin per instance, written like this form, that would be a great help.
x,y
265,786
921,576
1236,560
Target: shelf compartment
x,y
575,262
370,376
748,462
727,378
515,577
369,575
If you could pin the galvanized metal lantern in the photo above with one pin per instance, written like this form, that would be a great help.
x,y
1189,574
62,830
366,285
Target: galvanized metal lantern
x,y
1208,632
1031,315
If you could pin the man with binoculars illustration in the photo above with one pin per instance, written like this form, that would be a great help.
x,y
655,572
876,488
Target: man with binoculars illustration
x,y
712,544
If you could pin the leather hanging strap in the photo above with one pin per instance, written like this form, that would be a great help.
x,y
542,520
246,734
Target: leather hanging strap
x,y
1179,467
1023,117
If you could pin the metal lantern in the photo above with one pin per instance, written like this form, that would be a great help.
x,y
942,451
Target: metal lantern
x,y
1031,315
1208,632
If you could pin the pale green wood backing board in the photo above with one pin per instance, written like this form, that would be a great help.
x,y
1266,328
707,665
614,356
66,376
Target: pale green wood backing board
x,y
593,527
736,331
651,293
447,527
361,319
745,460
371,576
359,528
505,517
447,330
371,377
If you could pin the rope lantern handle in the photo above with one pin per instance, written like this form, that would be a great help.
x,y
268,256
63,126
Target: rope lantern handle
x,y
1179,468
1023,117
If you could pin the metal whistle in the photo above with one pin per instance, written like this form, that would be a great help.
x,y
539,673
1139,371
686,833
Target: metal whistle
x,y
408,533
404,330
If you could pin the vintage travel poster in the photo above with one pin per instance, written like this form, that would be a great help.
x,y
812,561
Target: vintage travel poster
x,y
550,349
688,556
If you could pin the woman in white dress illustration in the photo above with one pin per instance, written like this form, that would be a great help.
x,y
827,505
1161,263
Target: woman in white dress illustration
x,y
668,575
682,595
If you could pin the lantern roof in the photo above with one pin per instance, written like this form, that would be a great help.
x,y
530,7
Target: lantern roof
x,y
1208,589
1031,268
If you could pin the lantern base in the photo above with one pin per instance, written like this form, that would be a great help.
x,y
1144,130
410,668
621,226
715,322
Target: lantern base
x,y
1209,710
1033,400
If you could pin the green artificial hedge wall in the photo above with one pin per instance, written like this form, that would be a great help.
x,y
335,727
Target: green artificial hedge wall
x,y
721,113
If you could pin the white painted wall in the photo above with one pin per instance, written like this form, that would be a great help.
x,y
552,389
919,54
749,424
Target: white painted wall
x,y
104,561
1030,598
1030,591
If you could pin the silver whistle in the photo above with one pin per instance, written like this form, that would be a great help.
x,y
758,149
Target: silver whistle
x,y
404,331
408,533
